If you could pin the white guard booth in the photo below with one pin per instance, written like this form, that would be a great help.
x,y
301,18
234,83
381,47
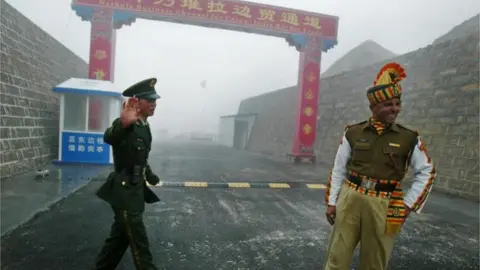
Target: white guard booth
x,y
235,130
87,109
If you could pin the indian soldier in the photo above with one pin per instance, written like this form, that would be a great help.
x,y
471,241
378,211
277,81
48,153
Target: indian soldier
x,y
126,189
364,197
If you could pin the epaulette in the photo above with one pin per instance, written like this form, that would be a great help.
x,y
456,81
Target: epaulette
x,y
356,124
415,131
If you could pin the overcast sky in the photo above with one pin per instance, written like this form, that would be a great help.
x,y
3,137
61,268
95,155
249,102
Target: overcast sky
x,y
238,65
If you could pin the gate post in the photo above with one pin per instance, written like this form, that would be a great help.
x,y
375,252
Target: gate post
x,y
307,100
102,45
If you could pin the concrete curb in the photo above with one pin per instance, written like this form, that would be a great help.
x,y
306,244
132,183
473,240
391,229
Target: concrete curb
x,y
55,202
276,185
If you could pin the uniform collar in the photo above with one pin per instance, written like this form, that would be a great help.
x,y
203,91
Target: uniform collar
x,y
393,127
140,122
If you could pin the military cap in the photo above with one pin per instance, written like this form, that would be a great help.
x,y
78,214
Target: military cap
x,y
386,86
143,89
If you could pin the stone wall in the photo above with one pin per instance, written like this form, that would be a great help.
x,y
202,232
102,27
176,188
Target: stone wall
x,y
441,100
273,128
32,62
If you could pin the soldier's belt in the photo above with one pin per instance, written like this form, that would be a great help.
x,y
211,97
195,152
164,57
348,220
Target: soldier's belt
x,y
130,172
136,175
373,184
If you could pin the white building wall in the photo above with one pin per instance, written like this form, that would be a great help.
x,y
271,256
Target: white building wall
x,y
226,131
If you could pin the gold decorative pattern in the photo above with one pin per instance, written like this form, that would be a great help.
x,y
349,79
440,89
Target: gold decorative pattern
x,y
99,74
100,54
309,94
311,77
308,111
307,129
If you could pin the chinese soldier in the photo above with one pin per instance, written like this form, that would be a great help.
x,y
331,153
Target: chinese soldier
x,y
364,197
126,189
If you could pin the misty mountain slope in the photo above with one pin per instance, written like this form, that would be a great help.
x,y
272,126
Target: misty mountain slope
x,y
466,28
365,54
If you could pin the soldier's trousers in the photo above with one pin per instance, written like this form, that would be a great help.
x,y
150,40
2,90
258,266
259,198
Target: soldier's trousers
x,y
359,218
127,230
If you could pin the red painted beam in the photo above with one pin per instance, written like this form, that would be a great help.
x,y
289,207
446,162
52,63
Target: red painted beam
x,y
250,16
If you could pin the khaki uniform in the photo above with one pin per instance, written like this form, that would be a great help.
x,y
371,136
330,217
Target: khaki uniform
x,y
365,186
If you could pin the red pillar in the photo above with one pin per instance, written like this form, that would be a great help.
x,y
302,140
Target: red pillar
x,y
307,102
102,59
102,45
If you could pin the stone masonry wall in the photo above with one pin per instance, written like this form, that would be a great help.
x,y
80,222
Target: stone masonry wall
x,y
32,62
441,100
274,123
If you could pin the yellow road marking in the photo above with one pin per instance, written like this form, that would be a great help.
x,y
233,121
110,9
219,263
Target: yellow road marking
x,y
196,184
317,186
157,185
278,185
238,185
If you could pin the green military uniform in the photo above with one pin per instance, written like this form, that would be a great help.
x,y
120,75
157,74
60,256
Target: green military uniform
x,y
126,189
365,183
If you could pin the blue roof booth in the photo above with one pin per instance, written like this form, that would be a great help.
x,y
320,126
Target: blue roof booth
x,y
87,108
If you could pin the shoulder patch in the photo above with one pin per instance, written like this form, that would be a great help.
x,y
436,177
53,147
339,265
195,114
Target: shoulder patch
x,y
116,121
356,124
415,131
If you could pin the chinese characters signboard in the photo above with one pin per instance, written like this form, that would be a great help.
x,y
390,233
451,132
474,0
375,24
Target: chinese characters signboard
x,y
230,12
85,147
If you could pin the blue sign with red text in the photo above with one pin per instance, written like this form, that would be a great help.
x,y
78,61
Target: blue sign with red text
x,y
85,148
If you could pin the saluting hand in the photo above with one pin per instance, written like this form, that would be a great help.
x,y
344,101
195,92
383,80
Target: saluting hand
x,y
130,112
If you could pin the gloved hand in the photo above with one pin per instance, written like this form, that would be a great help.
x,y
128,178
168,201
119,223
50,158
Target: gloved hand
x,y
152,178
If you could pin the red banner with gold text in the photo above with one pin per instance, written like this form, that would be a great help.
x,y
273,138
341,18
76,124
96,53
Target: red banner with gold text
x,y
101,46
230,12
100,62
308,105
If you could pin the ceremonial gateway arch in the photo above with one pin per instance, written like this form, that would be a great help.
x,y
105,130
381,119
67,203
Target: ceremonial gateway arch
x,y
310,33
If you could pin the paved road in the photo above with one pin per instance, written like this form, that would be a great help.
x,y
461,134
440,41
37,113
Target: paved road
x,y
211,228
26,195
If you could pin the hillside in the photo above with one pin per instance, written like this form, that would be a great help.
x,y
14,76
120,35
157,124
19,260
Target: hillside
x,y
466,28
365,54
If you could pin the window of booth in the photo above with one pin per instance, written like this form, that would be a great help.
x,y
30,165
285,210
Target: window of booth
x,y
74,112
115,108
98,113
